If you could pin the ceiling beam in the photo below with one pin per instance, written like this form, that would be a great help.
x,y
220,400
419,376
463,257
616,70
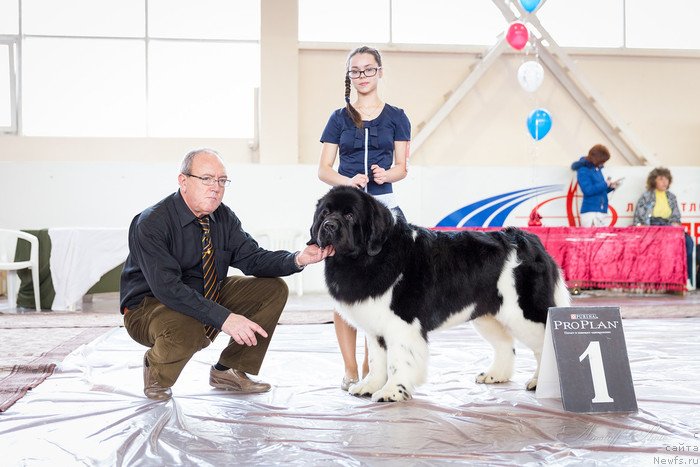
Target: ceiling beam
x,y
478,70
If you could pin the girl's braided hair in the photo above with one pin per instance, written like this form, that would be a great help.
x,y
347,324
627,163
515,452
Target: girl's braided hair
x,y
354,114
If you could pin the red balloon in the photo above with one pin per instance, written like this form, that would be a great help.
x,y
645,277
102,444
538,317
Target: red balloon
x,y
517,35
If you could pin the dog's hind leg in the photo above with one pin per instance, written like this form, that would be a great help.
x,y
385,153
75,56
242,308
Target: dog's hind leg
x,y
501,340
407,365
377,376
531,334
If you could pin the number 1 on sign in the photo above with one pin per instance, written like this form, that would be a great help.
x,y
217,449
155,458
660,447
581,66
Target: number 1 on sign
x,y
600,384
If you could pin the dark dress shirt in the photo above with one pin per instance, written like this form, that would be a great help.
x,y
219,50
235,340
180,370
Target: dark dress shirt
x,y
165,258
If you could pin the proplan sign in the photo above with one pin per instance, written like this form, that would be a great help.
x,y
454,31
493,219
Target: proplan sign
x,y
592,371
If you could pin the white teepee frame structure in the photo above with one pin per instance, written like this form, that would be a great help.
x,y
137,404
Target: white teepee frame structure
x,y
563,68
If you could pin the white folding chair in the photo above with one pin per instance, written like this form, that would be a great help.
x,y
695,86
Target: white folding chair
x,y
284,239
8,245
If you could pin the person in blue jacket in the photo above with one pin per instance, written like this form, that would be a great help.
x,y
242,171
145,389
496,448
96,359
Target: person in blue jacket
x,y
372,139
594,186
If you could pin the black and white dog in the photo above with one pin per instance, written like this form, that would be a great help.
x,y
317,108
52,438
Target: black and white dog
x,y
398,282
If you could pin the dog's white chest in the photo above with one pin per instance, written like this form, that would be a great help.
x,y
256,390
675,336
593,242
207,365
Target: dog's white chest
x,y
374,315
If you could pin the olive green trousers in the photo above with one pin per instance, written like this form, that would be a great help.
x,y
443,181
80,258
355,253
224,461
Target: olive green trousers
x,y
174,338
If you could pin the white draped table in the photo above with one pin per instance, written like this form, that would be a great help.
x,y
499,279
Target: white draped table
x,y
79,258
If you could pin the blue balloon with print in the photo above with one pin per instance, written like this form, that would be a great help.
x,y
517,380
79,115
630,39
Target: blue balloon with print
x,y
529,5
539,122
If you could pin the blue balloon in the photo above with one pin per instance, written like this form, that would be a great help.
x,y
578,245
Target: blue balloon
x,y
529,5
539,122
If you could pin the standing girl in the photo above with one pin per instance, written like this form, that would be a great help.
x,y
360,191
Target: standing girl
x,y
372,138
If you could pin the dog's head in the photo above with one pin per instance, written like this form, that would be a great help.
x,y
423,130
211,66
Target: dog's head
x,y
352,221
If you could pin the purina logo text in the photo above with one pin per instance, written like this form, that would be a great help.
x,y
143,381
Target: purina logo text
x,y
583,316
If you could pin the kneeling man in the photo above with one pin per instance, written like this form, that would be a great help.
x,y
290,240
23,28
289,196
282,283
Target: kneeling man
x,y
175,296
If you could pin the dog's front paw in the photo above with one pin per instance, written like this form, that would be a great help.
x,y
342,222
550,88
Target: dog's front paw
x,y
392,393
531,385
365,388
490,378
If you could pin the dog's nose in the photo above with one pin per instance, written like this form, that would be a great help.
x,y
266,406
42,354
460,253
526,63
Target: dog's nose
x,y
330,225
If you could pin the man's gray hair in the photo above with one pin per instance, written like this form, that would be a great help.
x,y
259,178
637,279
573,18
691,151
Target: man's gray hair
x,y
186,166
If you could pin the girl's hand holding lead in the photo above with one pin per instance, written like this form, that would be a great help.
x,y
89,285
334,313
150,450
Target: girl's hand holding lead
x,y
359,181
379,174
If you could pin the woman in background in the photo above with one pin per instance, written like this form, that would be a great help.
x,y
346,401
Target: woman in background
x,y
594,186
658,206
372,139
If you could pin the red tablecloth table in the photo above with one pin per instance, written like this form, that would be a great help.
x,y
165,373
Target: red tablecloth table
x,y
649,258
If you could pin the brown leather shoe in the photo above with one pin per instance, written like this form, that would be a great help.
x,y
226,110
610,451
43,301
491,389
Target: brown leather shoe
x,y
152,388
236,381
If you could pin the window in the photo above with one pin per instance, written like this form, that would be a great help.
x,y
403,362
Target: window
x,y
671,24
204,19
594,23
90,68
104,18
446,22
83,87
9,17
8,112
362,21
202,89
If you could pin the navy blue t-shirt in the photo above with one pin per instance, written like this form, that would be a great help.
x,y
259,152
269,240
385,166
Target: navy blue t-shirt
x,y
391,125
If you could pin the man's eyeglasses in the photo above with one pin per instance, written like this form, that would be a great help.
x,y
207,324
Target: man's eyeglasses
x,y
209,181
368,72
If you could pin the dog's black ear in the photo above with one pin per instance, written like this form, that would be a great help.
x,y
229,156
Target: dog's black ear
x,y
380,223
315,225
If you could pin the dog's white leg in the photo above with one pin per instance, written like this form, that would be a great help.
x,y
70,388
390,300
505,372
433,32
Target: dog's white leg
x,y
504,354
376,378
407,365
532,335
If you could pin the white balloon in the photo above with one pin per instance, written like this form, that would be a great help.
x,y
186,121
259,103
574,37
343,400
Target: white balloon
x,y
530,75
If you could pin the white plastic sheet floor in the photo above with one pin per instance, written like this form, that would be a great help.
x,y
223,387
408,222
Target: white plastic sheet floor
x,y
92,411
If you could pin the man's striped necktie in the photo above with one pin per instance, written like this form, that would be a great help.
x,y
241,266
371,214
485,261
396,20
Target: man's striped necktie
x,y
211,283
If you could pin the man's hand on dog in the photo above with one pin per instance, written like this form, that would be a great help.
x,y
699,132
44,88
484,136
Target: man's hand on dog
x,y
313,254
